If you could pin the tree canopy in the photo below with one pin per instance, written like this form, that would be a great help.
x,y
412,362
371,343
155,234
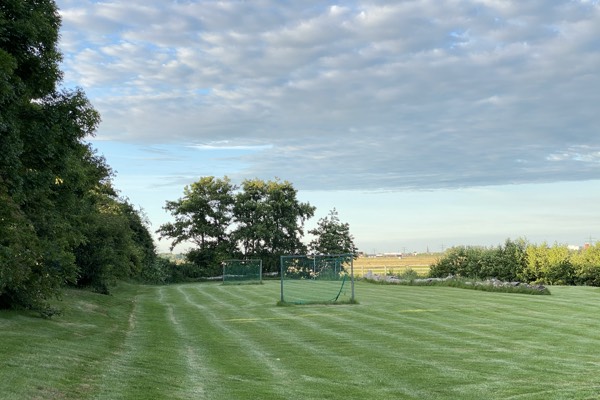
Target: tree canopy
x,y
332,236
262,219
56,199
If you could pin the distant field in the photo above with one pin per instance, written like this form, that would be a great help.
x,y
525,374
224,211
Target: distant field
x,y
214,341
381,265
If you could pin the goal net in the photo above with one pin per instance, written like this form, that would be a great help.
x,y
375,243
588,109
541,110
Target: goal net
x,y
242,271
317,279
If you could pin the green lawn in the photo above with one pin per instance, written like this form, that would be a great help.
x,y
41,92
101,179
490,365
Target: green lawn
x,y
209,341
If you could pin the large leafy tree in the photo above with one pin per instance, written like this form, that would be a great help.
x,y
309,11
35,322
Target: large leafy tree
x,y
203,216
34,263
49,176
117,243
250,213
260,219
270,220
332,236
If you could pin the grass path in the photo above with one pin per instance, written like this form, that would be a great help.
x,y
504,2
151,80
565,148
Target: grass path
x,y
209,341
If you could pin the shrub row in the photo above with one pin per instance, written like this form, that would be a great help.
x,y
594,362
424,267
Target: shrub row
x,y
521,261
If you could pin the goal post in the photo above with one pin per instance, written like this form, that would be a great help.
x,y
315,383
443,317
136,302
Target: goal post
x,y
317,279
242,271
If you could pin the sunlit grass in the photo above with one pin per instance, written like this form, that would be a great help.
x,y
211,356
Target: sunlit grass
x,y
210,341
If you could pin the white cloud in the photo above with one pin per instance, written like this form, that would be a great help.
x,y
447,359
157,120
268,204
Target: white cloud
x,y
378,94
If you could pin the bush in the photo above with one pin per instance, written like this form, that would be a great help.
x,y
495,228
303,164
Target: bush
x,y
158,272
502,262
408,274
586,265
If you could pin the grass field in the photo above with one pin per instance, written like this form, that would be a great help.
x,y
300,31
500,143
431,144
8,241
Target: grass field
x,y
210,341
394,265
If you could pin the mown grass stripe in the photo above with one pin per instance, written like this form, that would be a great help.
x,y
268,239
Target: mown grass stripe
x,y
296,348
151,362
209,341
257,363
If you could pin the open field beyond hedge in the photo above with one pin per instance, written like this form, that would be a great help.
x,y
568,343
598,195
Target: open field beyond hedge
x,y
209,341
394,265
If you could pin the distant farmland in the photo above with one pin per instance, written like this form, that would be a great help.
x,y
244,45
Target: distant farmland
x,y
382,265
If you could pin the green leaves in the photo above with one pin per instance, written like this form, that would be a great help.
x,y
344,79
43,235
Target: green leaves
x,y
522,261
29,32
503,262
202,215
332,236
261,218
53,186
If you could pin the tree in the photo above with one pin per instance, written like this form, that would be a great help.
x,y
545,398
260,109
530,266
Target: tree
x,y
587,265
549,264
332,236
202,216
270,220
263,219
117,242
35,138
49,177
250,212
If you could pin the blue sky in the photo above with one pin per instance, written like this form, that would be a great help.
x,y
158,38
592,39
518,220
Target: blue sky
x,y
426,124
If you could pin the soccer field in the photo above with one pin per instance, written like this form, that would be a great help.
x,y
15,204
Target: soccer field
x,y
214,341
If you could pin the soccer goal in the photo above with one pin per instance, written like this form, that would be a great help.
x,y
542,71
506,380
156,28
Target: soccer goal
x,y
242,271
317,279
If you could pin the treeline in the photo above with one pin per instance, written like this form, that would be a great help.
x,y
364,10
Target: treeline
x,y
257,219
61,220
522,261
63,223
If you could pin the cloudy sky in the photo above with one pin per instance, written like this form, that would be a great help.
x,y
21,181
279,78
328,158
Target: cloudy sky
x,y
425,123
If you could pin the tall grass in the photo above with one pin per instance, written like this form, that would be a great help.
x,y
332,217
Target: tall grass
x,y
209,341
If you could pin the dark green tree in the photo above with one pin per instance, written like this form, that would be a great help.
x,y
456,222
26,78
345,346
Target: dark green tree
x,y
117,242
270,220
49,177
203,216
33,165
250,212
332,236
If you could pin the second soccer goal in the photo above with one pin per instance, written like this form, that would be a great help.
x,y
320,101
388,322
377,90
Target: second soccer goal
x,y
242,271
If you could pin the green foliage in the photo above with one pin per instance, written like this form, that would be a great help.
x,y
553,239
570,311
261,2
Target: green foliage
x,y
117,243
157,273
551,265
332,236
19,257
39,137
408,274
204,262
269,221
502,262
459,261
54,230
586,265
203,216
29,33
165,271
261,220
519,261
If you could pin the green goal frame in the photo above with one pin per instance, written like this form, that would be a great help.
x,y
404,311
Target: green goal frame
x,y
242,271
317,279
